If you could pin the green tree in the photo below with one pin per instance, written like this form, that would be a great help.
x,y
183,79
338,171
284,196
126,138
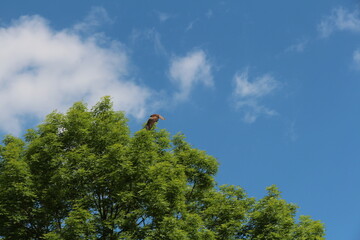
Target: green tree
x,y
82,175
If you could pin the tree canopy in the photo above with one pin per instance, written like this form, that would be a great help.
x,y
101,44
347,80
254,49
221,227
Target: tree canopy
x,y
83,175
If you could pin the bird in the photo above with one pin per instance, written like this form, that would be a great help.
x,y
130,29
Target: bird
x,y
152,120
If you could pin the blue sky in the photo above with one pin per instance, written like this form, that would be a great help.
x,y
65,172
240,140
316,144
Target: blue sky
x,y
270,88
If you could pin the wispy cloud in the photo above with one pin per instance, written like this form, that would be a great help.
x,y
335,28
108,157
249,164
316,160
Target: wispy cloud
x,y
96,17
248,94
150,35
299,46
209,13
42,69
356,59
340,19
190,70
191,25
163,17
291,131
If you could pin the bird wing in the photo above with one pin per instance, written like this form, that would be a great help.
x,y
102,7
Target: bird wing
x,y
150,123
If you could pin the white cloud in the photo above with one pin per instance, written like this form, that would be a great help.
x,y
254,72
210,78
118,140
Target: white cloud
x,y
340,20
150,35
356,59
248,94
209,13
163,17
291,131
187,71
42,69
190,26
96,17
299,46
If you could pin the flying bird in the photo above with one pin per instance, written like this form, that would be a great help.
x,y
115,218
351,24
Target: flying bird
x,y
152,120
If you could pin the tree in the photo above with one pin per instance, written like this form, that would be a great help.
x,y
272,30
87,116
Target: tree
x,y
82,175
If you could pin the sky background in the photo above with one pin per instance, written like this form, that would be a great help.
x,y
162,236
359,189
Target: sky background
x,y
269,88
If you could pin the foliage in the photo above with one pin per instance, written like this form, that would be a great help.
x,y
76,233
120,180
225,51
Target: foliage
x,y
81,175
